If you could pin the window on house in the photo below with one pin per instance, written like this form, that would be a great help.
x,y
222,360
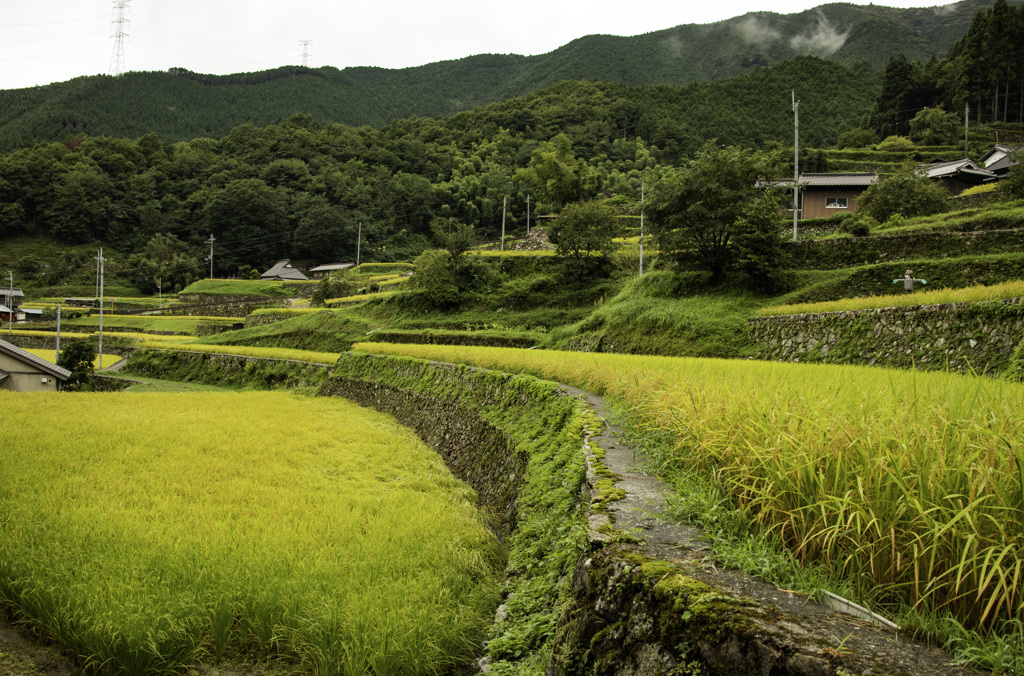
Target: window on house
x,y
835,202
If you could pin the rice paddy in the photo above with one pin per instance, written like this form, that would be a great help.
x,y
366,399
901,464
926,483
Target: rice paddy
x,y
147,532
51,356
909,484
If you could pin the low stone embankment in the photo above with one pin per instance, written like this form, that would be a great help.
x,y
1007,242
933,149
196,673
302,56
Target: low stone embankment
x,y
979,337
224,305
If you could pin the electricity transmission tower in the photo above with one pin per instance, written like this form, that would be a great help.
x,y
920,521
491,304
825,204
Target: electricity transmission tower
x,y
305,51
120,24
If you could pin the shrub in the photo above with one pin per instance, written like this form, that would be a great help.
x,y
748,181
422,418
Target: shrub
x,y
907,193
858,226
896,144
857,138
77,357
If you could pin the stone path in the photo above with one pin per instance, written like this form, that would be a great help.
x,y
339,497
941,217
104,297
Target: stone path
x,y
824,639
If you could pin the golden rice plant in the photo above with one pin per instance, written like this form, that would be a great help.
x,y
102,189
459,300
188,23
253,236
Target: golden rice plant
x,y
972,294
149,531
910,483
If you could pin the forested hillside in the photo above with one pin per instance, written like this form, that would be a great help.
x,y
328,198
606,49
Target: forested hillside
x,y
181,105
301,190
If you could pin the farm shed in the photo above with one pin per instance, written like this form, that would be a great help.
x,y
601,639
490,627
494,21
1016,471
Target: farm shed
x,y
957,175
21,371
321,271
12,298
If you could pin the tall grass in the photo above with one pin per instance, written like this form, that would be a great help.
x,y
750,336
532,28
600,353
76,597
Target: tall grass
x,y
972,294
910,484
147,531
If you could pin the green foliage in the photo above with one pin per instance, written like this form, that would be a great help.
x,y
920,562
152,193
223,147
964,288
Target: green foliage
x,y
758,243
335,285
1013,184
934,126
455,238
558,175
857,138
77,356
436,278
694,210
164,262
858,226
583,229
907,193
895,144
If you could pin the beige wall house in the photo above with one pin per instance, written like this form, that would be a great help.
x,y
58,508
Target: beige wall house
x,y
21,371
829,194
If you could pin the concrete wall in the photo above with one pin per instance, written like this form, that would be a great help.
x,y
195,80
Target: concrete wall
x,y
25,377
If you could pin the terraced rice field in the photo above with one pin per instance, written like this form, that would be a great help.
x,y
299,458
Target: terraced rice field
x,y
146,532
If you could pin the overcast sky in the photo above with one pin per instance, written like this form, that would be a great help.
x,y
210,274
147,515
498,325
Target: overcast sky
x,y
43,41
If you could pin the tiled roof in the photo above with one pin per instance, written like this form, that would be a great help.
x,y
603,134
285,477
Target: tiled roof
x,y
38,362
857,179
284,270
964,166
332,266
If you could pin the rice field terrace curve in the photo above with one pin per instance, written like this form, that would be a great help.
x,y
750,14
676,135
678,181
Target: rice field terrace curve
x,y
909,484
150,532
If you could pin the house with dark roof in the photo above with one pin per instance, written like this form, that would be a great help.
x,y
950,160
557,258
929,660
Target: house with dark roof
x,y
956,175
12,298
829,194
284,271
1001,158
21,371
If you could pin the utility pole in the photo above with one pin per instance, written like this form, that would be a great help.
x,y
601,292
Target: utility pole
x,y
210,242
101,260
160,290
527,214
304,44
117,59
10,310
642,228
796,162
58,335
359,242
504,201
967,127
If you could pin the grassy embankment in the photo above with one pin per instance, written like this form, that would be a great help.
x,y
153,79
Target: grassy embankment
x,y
173,530
906,486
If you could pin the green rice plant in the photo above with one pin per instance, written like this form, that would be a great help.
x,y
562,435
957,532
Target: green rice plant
x,y
249,351
972,294
909,484
147,532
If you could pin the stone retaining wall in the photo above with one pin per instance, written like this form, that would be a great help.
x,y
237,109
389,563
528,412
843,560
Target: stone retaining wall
x,y
955,336
224,305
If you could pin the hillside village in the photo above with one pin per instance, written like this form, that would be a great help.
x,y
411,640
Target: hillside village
x,y
726,375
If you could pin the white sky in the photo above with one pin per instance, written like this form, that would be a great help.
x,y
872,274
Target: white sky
x,y
43,41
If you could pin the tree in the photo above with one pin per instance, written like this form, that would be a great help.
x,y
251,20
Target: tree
x,y
1013,184
906,193
455,238
935,127
165,262
434,276
758,240
335,285
558,175
583,229
77,357
694,210
249,221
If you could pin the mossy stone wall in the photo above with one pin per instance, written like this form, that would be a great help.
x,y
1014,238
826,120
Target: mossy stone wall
x,y
829,254
224,305
225,369
954,336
